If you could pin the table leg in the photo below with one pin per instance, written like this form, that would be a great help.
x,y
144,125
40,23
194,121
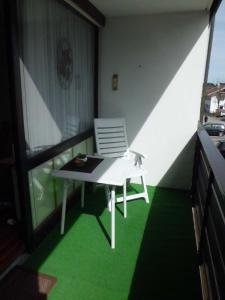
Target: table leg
x,y
64,206
82,193
113,200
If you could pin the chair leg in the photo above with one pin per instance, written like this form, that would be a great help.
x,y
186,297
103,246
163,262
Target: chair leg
x,y
125,199
145,188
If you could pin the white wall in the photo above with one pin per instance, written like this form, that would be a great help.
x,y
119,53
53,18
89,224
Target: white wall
x,y
160,60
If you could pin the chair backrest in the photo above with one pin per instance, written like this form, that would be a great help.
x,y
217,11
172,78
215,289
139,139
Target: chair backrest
x,y
111,137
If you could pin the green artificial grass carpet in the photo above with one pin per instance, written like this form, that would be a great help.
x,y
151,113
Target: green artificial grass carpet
x,y
155,256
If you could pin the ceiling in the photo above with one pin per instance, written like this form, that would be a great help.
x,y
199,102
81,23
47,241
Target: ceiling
x,y
116,8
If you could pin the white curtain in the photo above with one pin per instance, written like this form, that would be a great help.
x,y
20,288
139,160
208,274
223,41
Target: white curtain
x,y
57,71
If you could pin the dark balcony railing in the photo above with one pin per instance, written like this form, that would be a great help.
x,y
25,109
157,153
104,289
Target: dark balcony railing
x,y
208,192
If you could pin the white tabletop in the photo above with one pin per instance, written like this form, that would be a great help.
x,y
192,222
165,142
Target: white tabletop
x,y
111,171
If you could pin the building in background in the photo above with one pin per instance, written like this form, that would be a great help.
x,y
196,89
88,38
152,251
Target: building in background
x,y
215,98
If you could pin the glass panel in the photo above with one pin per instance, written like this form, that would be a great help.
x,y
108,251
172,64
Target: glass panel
x,y
60,161
57,71
46,191
90,145
42,192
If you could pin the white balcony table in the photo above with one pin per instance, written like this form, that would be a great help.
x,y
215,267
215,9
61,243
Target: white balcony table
x,y
110,171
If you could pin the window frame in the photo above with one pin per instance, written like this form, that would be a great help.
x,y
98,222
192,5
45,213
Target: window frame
x,y
22,162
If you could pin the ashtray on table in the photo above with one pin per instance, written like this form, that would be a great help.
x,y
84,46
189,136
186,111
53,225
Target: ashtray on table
x,y
80,160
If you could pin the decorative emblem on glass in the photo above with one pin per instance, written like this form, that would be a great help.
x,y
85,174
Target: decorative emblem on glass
x,y
64,63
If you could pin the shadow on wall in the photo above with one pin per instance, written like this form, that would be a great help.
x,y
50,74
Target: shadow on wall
x,y
160,62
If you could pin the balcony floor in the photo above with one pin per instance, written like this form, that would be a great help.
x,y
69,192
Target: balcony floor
x,y
155,255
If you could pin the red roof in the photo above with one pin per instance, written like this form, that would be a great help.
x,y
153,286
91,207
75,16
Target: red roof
x,y
212,90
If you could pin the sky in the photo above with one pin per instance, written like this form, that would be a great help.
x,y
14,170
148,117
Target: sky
x,y
217,60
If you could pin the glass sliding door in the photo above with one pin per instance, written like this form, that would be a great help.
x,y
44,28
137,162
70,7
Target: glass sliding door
x,y
57,72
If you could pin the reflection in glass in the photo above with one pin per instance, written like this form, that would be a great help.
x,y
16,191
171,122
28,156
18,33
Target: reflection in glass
x,y
57,71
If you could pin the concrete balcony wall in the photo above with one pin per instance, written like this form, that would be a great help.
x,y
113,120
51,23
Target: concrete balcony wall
x,y
160,60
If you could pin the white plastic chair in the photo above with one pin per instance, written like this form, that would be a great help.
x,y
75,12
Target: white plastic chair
x,y
111,141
